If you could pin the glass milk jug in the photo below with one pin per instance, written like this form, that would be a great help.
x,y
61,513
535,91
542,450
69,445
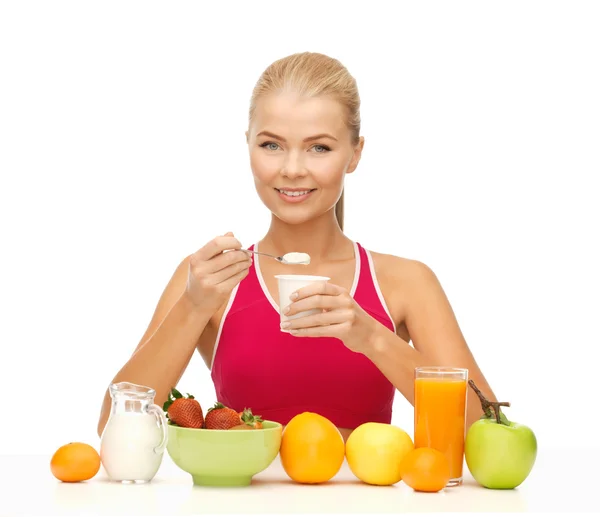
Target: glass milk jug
x,y
135,435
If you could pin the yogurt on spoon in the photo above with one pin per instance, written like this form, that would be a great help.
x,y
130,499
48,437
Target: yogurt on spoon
x,y
295,257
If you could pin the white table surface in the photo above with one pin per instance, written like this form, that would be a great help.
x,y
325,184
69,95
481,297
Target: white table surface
x,y
562,480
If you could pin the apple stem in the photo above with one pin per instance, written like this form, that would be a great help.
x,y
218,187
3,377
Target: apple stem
x,y
488,405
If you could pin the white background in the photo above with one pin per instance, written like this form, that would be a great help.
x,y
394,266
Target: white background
x,y
122,150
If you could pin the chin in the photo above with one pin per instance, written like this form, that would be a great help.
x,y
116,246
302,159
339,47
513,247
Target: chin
x,y
294,216
293,219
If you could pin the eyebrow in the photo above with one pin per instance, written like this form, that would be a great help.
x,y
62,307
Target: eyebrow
x,y
315,137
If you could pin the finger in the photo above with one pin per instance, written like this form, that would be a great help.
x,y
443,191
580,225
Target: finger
x,y
224,260
228,272
323,287
318,301
337,330
216,246
232,281
319,320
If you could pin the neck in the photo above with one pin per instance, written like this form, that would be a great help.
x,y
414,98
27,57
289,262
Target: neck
x,y
321,238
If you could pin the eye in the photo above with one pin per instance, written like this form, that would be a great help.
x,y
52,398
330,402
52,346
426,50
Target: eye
x,y
321,148
271,146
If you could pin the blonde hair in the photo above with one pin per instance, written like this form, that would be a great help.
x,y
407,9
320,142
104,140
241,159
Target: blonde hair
x,y
312,74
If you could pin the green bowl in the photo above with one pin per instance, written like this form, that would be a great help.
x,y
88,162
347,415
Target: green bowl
x,y
224,458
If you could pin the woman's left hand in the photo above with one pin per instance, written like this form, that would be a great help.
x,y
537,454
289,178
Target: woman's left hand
x,y
340,316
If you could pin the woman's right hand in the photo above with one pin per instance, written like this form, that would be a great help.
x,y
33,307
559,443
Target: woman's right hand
x,y
214,271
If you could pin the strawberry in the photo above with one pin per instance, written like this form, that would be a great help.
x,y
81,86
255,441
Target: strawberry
x,y
249,420
221,417
184,411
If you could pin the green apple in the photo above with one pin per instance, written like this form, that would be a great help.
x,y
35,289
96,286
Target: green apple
x,y
500,454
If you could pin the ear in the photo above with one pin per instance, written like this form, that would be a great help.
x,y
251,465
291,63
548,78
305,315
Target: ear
x,y
356,155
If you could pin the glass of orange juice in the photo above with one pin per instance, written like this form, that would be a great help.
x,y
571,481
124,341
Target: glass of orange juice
x,y
440,414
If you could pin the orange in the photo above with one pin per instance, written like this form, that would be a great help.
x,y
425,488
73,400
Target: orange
x,y
425,470
74,462
312,448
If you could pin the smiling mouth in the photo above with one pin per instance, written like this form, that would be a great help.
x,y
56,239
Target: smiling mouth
x,y
295,193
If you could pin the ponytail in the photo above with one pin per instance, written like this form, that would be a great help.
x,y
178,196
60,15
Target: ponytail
x,y
339,211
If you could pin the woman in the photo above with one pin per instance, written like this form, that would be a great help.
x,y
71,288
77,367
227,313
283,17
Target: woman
x,y
347,361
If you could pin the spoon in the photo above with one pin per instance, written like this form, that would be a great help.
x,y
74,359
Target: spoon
x,y
289,258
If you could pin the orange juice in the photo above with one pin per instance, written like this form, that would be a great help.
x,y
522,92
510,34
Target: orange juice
x,y
440,411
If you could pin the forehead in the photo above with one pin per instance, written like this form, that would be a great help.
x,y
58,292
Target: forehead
x,y
291,115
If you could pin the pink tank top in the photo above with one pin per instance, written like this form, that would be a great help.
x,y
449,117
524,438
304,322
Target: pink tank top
x,y
278,375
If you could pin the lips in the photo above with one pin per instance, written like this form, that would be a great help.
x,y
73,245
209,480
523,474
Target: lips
x,y
294,195
295,192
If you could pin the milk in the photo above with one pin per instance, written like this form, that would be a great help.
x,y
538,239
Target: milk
x,y
127,447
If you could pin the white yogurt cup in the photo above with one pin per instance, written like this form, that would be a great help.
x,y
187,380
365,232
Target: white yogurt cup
x,y
289,284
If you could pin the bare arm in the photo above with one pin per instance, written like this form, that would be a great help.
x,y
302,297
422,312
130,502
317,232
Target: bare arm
x,y
437,338
167,346
199,287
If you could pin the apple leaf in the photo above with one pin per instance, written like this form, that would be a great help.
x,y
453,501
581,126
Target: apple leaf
x,y
503,419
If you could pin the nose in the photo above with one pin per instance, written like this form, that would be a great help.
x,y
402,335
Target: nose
x,y
293,166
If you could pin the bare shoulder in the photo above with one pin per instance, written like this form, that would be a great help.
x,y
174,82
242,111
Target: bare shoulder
x,y
401,271
403,281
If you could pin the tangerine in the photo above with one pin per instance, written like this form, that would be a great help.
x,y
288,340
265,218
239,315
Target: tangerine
x,y
312,448
425,470
75,461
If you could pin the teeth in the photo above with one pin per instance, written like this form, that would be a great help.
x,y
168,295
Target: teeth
x,y
294,194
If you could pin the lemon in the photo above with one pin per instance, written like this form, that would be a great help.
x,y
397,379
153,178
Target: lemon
x,y
374,452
